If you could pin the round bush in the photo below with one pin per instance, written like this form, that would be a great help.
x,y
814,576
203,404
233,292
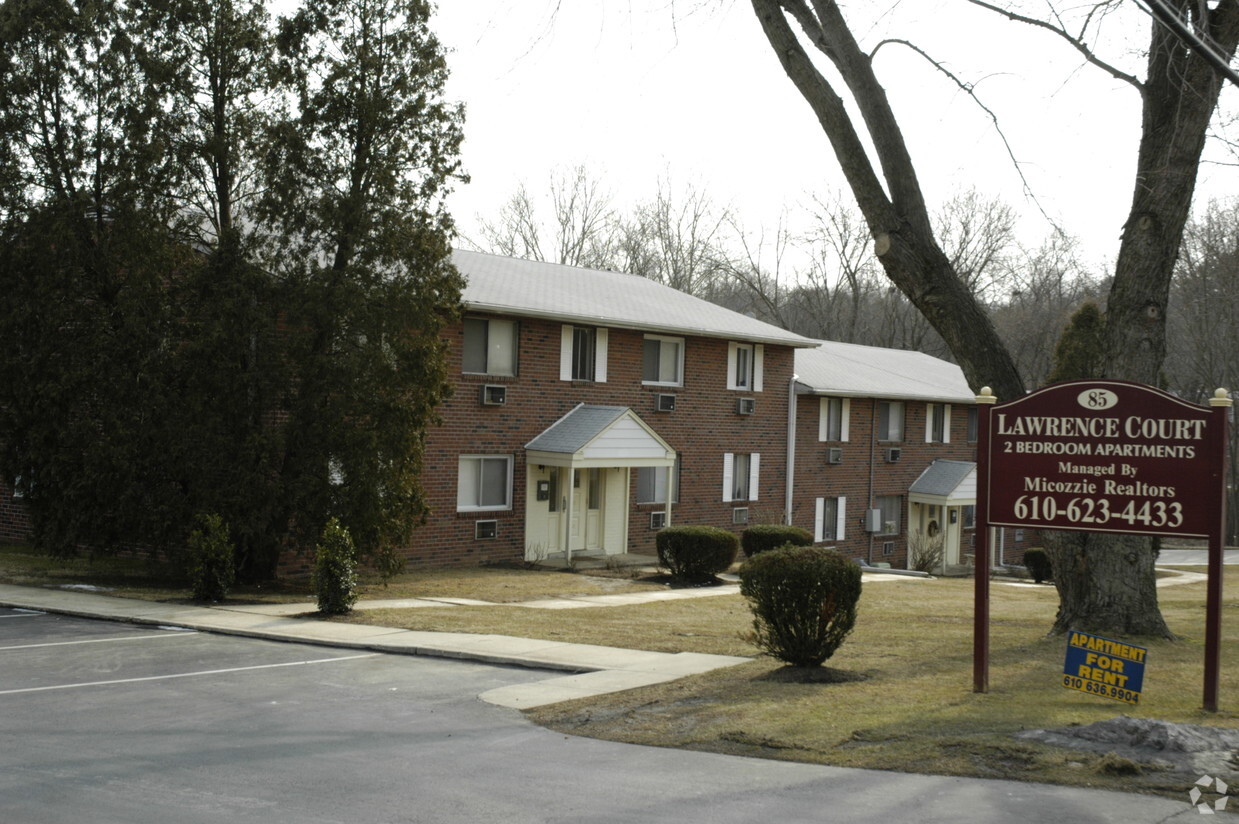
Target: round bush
x,y
696,553
803,600
1037,562
761,537
335,570
212,571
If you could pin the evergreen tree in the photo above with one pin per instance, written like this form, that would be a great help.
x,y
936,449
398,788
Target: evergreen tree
x,y
1078,354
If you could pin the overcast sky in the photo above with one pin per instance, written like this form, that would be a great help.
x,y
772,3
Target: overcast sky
x,y
637,89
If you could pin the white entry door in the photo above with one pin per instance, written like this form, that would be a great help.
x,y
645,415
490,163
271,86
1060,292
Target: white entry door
x,y
588,495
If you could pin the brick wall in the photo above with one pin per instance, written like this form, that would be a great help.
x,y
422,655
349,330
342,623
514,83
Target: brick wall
x,y
14,523
703,426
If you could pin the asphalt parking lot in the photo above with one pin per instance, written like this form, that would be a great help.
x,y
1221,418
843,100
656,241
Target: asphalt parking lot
x,y
111,722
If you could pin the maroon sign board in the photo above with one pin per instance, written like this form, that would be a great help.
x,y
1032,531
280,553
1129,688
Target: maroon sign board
x,y
1103,456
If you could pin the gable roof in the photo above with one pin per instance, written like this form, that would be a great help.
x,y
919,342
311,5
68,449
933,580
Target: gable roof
x,y
852,370
602,436
948,480
552,291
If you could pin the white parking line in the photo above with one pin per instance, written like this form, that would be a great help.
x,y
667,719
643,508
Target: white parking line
x,y
99,640
186,674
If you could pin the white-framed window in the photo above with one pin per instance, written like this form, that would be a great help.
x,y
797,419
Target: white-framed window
x,y
583,354
740,476
490,346
662,361
484,482
830,519
890,420
833,419
745,365
892,513
937,423
652,484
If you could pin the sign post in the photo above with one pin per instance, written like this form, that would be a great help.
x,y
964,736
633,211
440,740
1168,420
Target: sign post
x,y
1103,456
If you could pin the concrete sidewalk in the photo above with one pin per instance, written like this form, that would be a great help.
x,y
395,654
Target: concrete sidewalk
x,y
594,670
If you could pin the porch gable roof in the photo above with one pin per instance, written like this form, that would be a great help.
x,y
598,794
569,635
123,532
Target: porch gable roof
x,y
946,482
600,436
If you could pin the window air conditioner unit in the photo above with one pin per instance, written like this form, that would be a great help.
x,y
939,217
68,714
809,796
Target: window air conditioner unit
x,y
745,406
485,529
834,455
494,395
894,454
888,547
740,515
664,403
873,520
658,520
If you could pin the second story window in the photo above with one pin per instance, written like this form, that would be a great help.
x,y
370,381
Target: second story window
x,y
583,354
490,346
890,420
973,424
937,423
833,419
662,361
745,366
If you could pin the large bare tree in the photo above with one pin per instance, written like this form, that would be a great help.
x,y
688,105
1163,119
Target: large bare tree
x,y
1105,583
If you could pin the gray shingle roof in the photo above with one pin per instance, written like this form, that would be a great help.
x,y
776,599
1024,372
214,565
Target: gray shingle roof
x,y
552,291
574,431
852,370
942,477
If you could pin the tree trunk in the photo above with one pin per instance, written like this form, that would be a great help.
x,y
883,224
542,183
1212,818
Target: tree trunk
x,y
1105,583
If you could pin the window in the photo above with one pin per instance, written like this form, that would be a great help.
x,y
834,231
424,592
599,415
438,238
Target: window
x,y
583,354
490,346
484,482
740,473
830,519
892,513
833,420
970,516
937,423
973,423
652,484
663,361
890,421
745,363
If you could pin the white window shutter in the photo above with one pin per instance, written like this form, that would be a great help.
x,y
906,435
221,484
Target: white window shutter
x,y
729,460
930,408
754,463
946,423
565,354
823,420
840,517
759,357
731,365
600,355
845,413
817,519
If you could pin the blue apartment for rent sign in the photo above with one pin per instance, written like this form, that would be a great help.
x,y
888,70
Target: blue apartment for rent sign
x,y
1101,666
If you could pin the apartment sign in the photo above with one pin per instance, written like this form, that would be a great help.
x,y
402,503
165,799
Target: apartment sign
x,y
1104,456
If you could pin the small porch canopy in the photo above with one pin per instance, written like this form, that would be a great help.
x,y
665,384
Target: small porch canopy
x,y
946,483
591,437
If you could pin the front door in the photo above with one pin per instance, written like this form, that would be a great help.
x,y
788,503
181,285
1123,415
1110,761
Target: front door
x,y
588,494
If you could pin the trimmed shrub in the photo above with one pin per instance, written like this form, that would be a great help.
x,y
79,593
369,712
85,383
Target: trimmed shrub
x,y
1037,562
696,554
803,600
761,537
211,567
335,570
